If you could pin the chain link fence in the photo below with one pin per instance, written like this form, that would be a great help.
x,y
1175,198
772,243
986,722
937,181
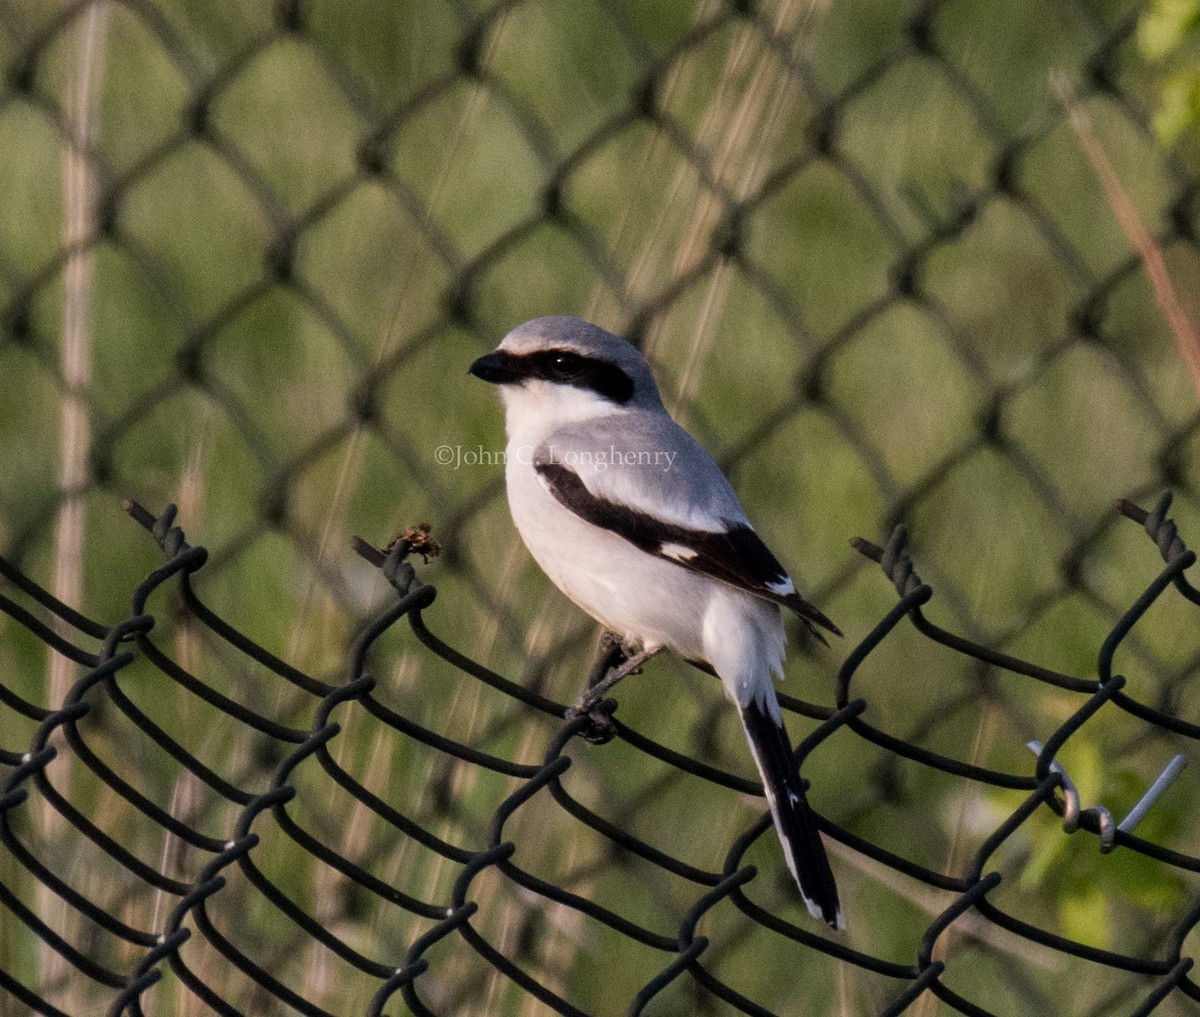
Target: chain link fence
x,y
371,931
924,264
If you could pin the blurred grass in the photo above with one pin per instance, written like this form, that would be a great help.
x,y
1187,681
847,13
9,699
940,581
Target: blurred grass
x,y
281,334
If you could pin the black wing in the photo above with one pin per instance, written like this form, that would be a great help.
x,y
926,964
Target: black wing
x,y
736,556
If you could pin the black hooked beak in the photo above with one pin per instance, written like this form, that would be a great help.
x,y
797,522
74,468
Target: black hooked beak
x,y
499,368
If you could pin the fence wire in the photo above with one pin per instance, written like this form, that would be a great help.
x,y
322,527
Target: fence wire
x,y
122,962
893,263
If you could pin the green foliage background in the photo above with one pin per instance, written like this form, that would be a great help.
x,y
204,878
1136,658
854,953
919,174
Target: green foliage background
x,y
1169,38
876,274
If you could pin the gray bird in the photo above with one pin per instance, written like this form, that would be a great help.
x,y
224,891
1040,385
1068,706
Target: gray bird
x,y
631,519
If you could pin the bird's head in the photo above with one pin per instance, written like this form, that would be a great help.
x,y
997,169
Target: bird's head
x,y
559,370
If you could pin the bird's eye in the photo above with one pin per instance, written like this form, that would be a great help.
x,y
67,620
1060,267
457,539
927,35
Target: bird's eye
x,y
565,362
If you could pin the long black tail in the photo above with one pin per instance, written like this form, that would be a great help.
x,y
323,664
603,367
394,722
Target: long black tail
x,y
794,819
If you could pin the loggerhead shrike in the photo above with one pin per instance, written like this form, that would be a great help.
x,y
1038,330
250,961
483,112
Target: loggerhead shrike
x,y
632,520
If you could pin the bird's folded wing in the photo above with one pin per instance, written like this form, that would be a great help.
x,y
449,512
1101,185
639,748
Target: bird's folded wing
x,y
731,552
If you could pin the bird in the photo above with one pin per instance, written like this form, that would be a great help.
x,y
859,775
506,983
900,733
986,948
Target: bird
x,y
631,518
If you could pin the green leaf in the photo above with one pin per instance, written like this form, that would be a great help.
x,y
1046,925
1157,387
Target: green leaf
x,y
1179,105
1163,27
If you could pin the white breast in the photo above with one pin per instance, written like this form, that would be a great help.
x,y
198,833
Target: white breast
x,y
644,599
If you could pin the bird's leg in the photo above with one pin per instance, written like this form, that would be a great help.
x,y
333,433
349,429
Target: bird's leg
x,y
632,665
612,654
608,672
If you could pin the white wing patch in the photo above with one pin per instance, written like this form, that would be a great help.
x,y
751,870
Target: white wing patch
x,y
783,587
679,552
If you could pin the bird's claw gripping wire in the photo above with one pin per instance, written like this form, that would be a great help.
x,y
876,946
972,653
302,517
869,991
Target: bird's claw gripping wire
x,y
615,664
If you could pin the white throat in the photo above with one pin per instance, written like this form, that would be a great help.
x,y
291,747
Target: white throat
x,y
536,408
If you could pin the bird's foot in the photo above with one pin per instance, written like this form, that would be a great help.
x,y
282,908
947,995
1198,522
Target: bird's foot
x,y
614,665
600,727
